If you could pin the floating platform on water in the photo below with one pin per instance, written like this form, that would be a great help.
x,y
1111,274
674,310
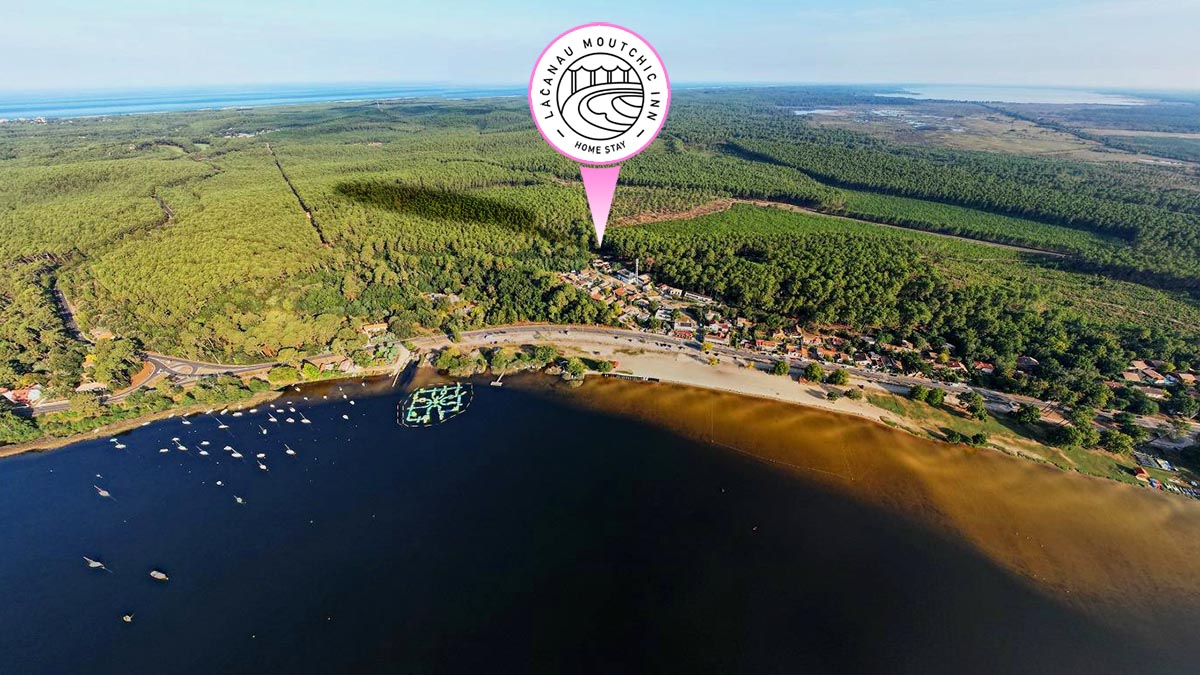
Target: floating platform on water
x,y
428,406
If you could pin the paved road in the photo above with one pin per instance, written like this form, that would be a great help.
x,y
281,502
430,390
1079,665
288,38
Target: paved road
x,y
560,334
188,370
161,365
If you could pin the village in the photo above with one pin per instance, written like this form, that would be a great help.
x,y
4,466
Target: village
x,y
660,309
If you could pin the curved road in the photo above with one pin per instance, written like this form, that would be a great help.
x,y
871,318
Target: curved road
x,y
187,369
567,334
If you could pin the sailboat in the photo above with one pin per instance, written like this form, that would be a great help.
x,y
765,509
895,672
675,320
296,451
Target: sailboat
x,y
163,450
304,420
186,422
262,466
345,417
203,442
351,402
220,483
127,618
159,576
119,446
236,455
204,453
96,564
239,499
102,492
261,455
237,414
289,450
222,425
263,430
290,421
223,411
253,410
271,418
228,448
292,410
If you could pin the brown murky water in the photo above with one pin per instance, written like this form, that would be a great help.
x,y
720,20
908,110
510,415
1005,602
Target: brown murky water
x,y
1127,556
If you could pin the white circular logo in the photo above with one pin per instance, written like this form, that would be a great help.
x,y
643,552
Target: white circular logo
x,y
599,94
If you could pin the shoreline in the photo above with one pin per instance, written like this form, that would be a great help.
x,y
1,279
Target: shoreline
x,y
686,369
47,443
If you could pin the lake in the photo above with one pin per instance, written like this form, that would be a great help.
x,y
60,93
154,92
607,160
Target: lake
x,y
618,527
998,94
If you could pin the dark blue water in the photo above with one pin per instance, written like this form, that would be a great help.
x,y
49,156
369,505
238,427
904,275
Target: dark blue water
x,y
522,536
15,105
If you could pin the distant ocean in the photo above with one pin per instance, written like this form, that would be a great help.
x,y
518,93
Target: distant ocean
x,y
15,105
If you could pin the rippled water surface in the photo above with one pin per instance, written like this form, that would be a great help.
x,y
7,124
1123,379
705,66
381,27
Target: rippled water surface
x,y
615,528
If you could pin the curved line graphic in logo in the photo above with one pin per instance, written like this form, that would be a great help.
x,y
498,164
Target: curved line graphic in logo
x,y
600,96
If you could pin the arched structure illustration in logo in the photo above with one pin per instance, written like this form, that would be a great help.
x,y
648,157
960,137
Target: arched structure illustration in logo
x,y
600,96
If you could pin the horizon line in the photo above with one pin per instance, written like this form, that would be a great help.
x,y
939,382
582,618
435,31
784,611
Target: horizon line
x,y
685,84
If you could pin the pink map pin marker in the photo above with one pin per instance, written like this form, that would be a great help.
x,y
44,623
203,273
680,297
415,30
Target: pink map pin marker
x,y
599,94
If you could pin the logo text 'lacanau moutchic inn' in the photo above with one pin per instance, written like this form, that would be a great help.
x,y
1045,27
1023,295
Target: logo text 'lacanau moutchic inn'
x,y
599,94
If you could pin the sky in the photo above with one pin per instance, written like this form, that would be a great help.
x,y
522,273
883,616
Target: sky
x,y
75,44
